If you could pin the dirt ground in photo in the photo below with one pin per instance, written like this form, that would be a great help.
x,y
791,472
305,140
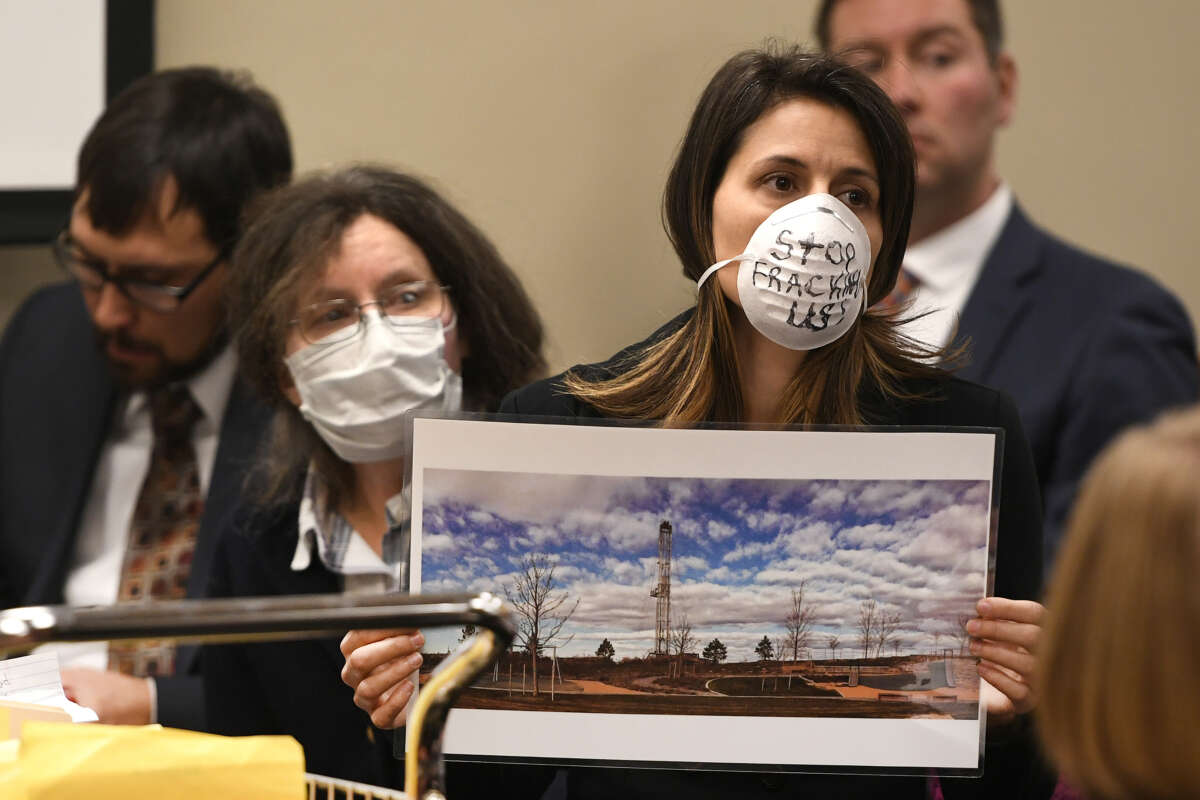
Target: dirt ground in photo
x,y
885,688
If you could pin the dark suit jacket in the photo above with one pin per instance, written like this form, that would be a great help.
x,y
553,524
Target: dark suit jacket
x,y
57,400
1012,768
1083,346
295,687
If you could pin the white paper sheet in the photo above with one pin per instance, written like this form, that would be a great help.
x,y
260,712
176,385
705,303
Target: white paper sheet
x,y
36,679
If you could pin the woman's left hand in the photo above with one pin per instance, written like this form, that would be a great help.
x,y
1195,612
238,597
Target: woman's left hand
x,y
1005,637
380,668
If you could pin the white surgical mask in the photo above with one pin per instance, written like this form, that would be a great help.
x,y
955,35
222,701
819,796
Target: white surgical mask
x,y
802,281
355,392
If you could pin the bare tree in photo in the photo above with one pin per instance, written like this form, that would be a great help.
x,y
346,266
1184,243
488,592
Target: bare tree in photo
x,y
867,623
960,633
682,640
886,624
798,623
834,643
541,608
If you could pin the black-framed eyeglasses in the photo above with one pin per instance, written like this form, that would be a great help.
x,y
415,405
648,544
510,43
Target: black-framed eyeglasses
x,y
337,320
92,273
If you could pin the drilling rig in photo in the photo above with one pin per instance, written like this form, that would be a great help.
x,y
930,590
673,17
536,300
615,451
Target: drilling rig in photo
x,y
662,590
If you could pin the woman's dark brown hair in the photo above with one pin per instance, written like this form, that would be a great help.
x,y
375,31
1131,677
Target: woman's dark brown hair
x,y
692,375
292,234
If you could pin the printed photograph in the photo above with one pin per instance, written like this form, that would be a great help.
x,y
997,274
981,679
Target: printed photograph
x,y
715,597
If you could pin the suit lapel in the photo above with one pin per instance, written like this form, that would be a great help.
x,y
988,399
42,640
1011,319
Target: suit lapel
x,y
1001,295
241,427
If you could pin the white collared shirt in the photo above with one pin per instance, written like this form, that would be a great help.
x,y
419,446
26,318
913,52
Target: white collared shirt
x,y
343,551
947,266
94,575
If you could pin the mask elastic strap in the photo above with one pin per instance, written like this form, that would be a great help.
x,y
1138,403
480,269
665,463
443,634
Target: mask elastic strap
x,y
718,265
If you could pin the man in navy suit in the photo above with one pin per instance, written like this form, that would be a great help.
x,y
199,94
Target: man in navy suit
x,y
1084,346
163,178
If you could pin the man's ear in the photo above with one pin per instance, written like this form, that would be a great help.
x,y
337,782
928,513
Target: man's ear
x,y
1005,71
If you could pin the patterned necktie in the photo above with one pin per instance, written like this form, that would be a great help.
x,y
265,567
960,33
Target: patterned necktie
x,y
906,286
162,535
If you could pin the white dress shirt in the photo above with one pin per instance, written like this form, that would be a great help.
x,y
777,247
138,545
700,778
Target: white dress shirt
x,y
947,264
94,575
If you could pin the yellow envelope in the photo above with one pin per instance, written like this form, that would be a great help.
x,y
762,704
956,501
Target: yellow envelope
x,y
8,747
13,714
60,761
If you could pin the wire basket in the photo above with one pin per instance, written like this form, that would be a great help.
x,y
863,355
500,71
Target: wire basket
x,y
319,787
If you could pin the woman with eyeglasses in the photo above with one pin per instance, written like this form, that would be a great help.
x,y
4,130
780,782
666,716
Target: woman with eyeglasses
x,y
356,296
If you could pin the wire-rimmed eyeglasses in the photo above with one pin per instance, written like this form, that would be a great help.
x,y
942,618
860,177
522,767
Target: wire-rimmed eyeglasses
x,y
92,273
336,320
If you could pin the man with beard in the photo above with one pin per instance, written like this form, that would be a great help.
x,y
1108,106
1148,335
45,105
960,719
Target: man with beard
x,y
124,432
1084,346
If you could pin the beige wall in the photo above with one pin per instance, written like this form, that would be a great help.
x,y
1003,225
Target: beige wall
x,y
552,124
23,269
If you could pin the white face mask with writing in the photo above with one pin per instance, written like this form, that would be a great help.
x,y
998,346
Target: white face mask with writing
x,y
802,281
355,393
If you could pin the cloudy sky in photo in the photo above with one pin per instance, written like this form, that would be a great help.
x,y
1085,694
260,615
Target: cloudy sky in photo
x,y
739,547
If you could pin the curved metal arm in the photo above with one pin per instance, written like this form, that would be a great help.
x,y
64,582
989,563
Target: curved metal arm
x,y
424,770
247,619
298,617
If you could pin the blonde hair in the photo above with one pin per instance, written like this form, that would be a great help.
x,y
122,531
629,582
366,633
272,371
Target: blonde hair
x,y
1119,696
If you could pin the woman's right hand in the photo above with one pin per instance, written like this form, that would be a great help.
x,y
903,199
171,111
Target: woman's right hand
x,y
379,668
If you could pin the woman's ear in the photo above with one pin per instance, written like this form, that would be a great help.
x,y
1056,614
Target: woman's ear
x,y
288,386
457,345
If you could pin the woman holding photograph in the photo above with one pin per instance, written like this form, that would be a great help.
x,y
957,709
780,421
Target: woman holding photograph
x,y
357,296
789,331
